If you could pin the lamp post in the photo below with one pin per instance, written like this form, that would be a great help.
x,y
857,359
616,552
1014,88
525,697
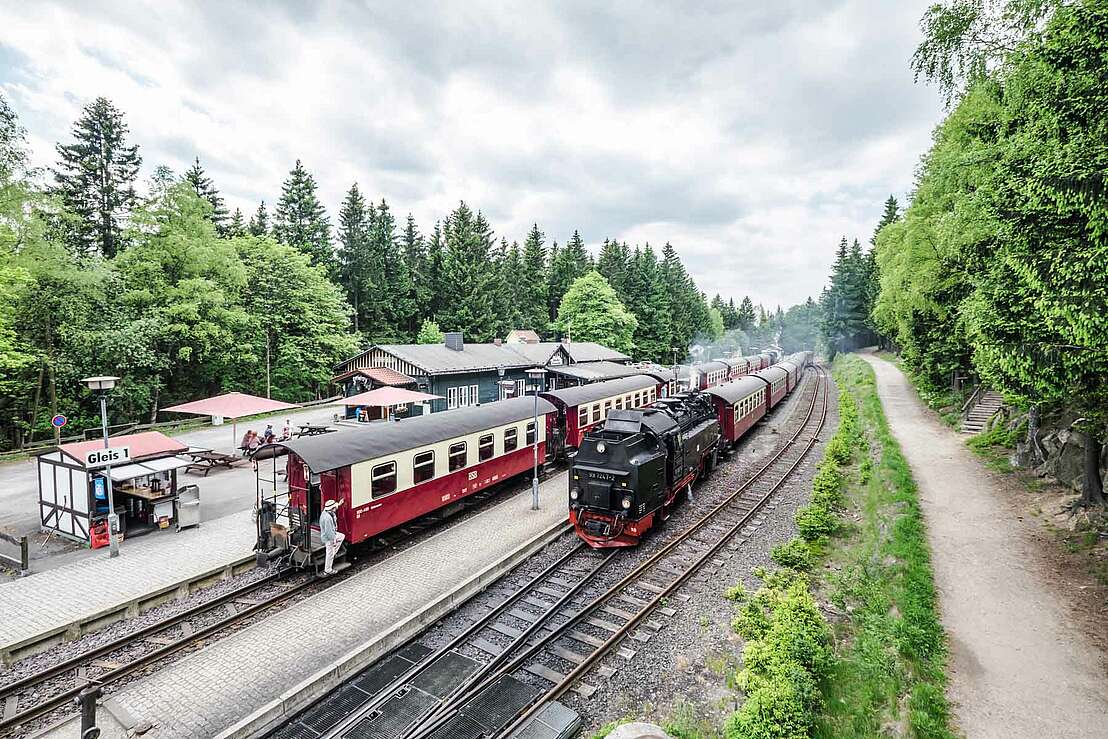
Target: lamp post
x,y
536,374
102,386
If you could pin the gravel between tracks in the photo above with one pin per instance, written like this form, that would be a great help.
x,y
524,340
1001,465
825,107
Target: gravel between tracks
x,y
686,665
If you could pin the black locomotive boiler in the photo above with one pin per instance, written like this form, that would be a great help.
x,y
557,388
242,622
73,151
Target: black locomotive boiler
x,y
628,472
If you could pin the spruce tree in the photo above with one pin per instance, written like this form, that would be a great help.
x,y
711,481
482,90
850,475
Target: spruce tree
x,y
95,180
203,186
394,288
259,223
237,226
436,274
415,257
301,221
746,314
468,299
890,215
357,271
649,300
566,265
613,263
534,287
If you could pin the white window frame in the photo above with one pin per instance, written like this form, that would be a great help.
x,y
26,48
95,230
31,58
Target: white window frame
x,y
374,477
474,395
451,398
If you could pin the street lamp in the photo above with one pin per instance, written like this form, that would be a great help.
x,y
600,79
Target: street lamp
x,y
536,374
102,386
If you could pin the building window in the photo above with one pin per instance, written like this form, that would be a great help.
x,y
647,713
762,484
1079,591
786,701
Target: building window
x,y
423,467
596,412
463,396
583,417
530,433
383,479
457,456
485,447
511,440
474,398
521,388
451,398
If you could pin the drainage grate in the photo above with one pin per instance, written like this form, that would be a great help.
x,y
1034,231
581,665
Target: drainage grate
x,y
554,721
394,716
459,727
414,652
499,703
334,708
295,730
445,673
376,678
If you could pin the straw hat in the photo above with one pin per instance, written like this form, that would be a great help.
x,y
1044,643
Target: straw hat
x,y
330,505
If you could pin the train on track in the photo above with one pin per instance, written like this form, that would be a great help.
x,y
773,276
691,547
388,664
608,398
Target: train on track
x,y
391,474
630,471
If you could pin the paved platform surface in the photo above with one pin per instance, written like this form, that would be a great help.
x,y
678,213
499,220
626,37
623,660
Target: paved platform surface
x,y
214,688
1019,664
48,601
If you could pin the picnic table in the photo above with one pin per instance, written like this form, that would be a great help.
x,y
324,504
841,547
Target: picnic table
x,y
310,429
206,460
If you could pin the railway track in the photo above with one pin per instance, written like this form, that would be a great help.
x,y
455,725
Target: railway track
x,y
512,663
54,688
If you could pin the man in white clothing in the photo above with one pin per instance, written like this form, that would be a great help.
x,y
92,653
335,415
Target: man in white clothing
x,y
329,534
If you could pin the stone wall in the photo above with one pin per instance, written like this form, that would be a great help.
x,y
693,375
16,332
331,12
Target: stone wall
x,y
1062,450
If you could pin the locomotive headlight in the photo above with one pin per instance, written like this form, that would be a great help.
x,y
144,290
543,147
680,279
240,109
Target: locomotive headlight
x,y
601,447
573,495
626,501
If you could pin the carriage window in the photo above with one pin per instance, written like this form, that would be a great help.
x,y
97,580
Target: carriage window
x,y
383,479
485,447
653,394
607,407
457,456
619,404
530,433
583,416
596,412
423,467
511,439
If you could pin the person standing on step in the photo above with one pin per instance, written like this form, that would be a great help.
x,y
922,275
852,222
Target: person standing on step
x,y
329,534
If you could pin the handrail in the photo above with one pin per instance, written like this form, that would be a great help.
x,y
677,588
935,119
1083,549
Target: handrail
x,y
972,398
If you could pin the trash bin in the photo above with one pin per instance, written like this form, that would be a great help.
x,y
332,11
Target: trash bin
x,y
188,506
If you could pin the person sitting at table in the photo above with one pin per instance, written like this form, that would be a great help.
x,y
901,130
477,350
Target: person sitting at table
x,y
253,441
286,432
244,445
268,436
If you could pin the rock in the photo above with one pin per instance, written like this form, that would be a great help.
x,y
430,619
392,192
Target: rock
x,y
638,730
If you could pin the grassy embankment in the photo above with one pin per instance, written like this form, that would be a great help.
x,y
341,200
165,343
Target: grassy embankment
x,y
877,667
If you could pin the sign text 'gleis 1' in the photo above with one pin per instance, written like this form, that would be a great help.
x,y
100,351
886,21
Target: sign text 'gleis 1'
x,y
104,457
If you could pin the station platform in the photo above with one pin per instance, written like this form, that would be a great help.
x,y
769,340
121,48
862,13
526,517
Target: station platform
x,y
251,680
64,602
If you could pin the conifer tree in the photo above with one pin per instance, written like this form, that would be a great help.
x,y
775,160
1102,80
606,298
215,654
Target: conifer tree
x,y
203,186
415,257
566,265
394,286
890,215
95,180
613,264
746,315
436,273
237,225
259,222
357,271
468,299
534,287
649,300
301,221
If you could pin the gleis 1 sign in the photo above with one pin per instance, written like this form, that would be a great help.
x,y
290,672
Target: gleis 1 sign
x,y
104,457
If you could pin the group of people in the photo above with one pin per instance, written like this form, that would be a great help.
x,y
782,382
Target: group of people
x,y
252,440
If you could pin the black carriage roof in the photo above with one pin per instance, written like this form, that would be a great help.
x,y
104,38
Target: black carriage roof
x,y
331,451
775,372
572,396
736,390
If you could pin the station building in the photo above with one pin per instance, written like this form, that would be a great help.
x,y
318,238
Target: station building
x,y
467,374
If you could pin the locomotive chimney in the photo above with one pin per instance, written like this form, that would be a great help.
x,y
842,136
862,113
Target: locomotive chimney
x,y
453,340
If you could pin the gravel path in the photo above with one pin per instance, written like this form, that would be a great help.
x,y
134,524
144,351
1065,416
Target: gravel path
x,y
1020,663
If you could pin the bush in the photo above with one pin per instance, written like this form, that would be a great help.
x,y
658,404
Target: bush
x,y
815,522
794,554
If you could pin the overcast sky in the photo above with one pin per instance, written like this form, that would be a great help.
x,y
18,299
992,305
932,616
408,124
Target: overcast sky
x,y
751,138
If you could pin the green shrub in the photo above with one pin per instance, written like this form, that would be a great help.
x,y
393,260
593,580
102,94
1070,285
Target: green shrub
x,y
815,522
773,710
794,554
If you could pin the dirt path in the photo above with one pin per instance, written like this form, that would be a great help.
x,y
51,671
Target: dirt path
x,y
1020,665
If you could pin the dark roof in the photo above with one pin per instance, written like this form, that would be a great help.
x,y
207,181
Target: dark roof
x,y
770,373
539,353
593,371
331,451
657,371
734,391
572,396
436,359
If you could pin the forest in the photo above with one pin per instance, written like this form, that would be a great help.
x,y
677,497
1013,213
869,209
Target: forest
x,y
998,265
161,285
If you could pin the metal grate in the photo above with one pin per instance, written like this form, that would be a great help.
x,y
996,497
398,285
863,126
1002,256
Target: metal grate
x,y
294,730
499,703
554,721
376,678
444,674
414,652
334,708
394,717
459,727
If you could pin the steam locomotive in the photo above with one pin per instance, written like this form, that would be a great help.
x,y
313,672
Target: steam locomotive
x,y
628,473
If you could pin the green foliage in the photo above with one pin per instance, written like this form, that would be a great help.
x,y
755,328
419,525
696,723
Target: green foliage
x,y
815,522
301,221
204,188
95,180
429,333
590,311
794,554
787,652
468,282
846,303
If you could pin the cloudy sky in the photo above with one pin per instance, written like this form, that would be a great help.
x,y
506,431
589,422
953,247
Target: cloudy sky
x,y
750,135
